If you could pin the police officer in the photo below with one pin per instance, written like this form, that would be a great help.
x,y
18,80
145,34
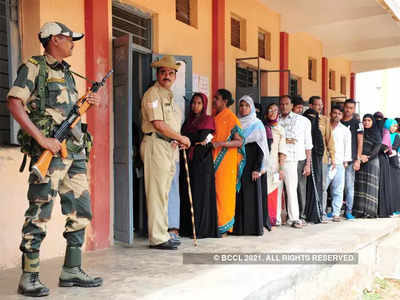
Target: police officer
x,y
40,99
161,126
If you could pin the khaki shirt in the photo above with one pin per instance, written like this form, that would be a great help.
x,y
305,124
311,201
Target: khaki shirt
x,y
329,142
158,105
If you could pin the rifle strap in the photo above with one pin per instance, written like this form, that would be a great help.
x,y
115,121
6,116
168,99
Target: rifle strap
x,y
23,164
81,76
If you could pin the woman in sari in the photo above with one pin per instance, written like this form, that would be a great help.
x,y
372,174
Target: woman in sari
x,y
249,209
277,140
313,209
366,186
198,128
229,159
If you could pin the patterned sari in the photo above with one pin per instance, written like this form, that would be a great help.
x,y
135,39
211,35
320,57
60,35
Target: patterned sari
x,y
228,165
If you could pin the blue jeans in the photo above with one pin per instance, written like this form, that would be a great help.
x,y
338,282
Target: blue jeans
x,y
337,188
349,187
174,201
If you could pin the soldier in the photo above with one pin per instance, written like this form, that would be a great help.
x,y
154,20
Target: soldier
x,y
42,95
160,125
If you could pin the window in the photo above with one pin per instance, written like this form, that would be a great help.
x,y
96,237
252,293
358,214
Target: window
x,y
312,69
343,85
264,44
295,85
186,11
246,77
332,82
238,32
8,67
183,11
235,34
124,22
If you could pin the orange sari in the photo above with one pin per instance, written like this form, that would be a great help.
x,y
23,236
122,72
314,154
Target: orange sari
x,y
228,165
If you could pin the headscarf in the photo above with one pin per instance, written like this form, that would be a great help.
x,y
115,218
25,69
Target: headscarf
x,y
379,120
388,124
254,130
201,122
317,139
269,125
195,123
372,134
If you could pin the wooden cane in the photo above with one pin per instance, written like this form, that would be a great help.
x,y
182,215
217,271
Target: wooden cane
x,y
190,197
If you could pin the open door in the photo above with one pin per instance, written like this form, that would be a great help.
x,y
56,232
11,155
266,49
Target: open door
x,y
123,148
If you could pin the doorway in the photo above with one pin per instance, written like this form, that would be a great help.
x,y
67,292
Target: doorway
x,y
132,56
133,75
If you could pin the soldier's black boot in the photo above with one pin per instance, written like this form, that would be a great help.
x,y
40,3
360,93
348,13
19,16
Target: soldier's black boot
x,y
72,274
29,283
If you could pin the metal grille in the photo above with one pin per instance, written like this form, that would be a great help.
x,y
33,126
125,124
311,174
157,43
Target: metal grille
x,y
293,87
4,81
246,77
183,11
124,22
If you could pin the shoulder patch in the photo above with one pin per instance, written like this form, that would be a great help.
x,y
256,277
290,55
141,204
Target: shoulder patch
x,y
33,61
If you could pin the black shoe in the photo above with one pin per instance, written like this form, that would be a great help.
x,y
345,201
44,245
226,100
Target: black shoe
x,y
174,238
169,245
30,285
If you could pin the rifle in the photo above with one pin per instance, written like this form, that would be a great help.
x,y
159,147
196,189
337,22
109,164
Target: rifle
x,y
81,106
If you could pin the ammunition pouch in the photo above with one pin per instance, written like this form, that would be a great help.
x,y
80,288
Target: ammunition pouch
x,y
45,124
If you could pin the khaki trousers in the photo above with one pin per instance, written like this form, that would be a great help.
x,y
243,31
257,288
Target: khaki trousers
x,y
159,168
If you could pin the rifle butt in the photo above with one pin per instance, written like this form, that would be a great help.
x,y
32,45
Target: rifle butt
x,y
42,165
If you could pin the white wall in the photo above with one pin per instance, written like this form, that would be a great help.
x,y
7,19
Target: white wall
x,y
379,91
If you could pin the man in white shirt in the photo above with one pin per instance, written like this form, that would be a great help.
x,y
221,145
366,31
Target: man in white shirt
x,y
299,145
336,176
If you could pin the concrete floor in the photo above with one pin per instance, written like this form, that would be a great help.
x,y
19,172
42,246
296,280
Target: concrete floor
x,y
140,273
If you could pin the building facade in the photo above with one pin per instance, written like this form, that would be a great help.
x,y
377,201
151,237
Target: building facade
x,y
233,44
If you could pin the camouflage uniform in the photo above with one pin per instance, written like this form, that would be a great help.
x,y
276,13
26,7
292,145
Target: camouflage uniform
x,y
67,177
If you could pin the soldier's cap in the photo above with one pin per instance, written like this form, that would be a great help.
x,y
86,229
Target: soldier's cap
x,y
168,61
55,28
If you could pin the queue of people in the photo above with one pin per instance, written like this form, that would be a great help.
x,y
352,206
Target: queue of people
x,y
253,171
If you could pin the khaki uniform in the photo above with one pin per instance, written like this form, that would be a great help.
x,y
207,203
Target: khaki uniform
x,y
329,142
159,158
67,177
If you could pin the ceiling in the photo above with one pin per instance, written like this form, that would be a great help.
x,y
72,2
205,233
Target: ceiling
x,y
359,30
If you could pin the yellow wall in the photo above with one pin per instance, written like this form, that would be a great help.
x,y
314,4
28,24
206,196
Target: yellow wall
x,y
257,16
341,67
33,14
301,47
171,36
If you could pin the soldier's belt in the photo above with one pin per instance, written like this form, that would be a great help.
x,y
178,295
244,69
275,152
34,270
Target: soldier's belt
x,y
290,141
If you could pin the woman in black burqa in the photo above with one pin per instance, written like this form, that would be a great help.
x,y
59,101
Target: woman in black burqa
x,y
313,209
366,186
201,169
